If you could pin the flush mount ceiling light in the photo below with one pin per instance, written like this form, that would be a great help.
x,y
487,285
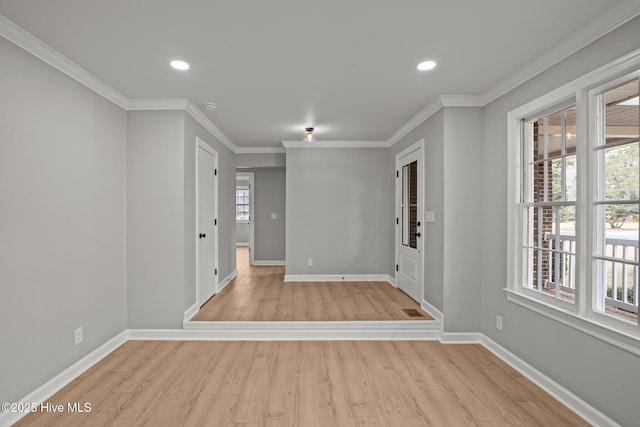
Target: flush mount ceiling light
x,y
308,134
179,65
426,65
631,101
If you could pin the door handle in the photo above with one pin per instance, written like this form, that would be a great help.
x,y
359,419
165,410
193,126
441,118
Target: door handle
x,y
202,235
418,234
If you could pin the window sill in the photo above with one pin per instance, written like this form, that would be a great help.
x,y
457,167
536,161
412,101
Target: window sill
x,y
242,222
622,340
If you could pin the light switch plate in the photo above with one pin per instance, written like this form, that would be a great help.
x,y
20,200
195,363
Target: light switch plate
x,y
429,216
274,215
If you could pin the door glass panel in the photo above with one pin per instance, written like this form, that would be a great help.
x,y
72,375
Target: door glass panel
x,y
413,204
405,210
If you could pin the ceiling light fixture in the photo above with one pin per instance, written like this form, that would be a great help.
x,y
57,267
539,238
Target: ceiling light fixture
x,y
308,134
179,65
631,101
426,65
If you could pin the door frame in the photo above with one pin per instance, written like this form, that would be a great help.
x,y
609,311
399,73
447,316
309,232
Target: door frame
x,y
198,145
251,177
418,145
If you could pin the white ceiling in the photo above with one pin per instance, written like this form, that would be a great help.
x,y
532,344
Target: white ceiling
x,y
273,67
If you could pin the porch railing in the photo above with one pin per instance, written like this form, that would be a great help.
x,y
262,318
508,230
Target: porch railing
x,y
621,278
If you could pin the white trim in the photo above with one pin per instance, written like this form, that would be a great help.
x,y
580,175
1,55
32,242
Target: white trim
x,y
56,383
191,311
335,144
250,178
265,262
608,21
260,150
202,118
157,104
336,278
227,280
609,335
431,310
613,18
387,330
242,243
392,280
25,40
429,110
460,337
566,397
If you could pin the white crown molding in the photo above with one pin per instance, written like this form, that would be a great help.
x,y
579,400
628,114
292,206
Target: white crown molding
x,y
157,104
23,39
599,27
202,118
615,17
334,144
260,150
429,110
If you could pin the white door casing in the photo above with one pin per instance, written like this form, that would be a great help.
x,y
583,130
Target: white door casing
x,y
410,221
206,221
250,177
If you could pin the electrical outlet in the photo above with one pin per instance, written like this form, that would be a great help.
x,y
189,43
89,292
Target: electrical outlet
x,y
77,334
310,262
499,323
274,215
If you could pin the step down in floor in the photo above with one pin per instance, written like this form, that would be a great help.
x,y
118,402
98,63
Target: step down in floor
x,y
388,330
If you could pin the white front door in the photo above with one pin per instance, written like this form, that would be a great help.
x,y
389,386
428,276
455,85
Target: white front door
x,y
409,223
206,227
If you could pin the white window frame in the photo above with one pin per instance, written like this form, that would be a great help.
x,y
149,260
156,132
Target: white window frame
x,y
243,187
581,314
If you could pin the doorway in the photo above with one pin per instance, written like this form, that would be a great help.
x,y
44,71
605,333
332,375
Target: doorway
x,y
245,223
409,220
206,222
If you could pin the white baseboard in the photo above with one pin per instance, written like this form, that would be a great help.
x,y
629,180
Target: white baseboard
x,y
242,243
392,280
261,262
396,330
567,398
228,279
191,311
56,383
431,310
336,278
460,337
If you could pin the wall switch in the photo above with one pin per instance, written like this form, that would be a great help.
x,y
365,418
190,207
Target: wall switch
x,y
310,262
499,323
429,216
274,215
77,335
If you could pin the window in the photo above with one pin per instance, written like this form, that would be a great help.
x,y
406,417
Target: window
x,y
574,203
616,201
242,204
549,203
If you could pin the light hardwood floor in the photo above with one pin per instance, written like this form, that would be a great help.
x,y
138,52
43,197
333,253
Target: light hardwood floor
x,y
339,383
259,293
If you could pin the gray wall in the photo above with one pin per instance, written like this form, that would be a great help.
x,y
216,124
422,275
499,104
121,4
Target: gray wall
x,y
432,130
260,160
161,211
603,375
269,197
155,219
462,218
337,211
62,221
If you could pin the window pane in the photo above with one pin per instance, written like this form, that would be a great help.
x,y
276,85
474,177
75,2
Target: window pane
x,y
571,179
620,289
621,172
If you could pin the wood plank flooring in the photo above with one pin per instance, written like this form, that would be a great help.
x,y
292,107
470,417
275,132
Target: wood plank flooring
x,y
339,383
259,293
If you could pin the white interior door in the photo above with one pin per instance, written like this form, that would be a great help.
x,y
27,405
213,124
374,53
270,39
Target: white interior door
x,y
409,211
207,238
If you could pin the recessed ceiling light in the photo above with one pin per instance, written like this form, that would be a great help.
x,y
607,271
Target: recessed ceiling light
x,y
632,101
426,65
179,65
